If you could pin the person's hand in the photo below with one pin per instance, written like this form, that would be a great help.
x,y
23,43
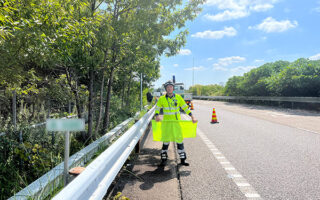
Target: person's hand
x,y
194,120
158,119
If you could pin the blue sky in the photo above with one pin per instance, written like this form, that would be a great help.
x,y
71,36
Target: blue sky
x,y
231,37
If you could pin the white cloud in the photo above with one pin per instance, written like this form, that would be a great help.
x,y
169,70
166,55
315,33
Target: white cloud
x,y
228,61
317,9
261,7
258,60
208,59
227,15
315,57
227,31
270,25
184,52
161,66
239,71
227,4
253,42
176,65
287,10
234,9
200,68
219,68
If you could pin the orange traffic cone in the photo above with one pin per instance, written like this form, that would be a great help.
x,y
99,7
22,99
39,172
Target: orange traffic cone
x,y
191,106
214,117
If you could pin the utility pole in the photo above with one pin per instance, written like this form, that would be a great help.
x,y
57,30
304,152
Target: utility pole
x,y
192,74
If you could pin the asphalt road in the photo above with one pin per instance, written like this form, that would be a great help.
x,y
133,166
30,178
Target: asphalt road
x,y
253,152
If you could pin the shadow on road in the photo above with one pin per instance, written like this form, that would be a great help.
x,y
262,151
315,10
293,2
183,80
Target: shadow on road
x,y
160,174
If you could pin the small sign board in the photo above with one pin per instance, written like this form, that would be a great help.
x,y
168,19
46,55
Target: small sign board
x,y
65,125
156,94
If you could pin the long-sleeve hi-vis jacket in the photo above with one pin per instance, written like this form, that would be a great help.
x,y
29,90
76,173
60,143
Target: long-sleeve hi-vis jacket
x,y
171,107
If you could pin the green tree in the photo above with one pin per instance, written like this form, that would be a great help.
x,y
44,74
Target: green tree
x,y
232,87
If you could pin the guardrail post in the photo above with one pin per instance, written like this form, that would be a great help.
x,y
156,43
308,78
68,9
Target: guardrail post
x,y
137,147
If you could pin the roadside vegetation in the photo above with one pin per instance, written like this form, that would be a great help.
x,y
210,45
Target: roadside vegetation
x,y
300,78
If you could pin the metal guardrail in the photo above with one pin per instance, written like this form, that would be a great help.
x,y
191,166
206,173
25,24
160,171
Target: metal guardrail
x,y
95,180
41,187
262,98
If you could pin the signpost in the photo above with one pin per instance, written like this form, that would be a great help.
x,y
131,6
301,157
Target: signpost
x,y
65,125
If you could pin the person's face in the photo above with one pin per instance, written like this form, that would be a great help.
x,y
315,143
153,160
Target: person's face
x,y
169,89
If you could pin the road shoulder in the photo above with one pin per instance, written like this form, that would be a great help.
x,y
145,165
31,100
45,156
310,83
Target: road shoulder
x,y
145,179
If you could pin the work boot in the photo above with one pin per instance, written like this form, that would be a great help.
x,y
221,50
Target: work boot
x,y
183,157
164,158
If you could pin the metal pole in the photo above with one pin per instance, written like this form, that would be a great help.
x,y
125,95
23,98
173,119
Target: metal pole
x,y
192,75
141,92
193,71
66,158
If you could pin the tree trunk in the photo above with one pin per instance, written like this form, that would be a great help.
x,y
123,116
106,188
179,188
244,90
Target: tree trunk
x,y
49,108
123,91
74,89
101,105
33,105
91,77
128,92
115,50
101,94
78,106
14,109
90,106
106,112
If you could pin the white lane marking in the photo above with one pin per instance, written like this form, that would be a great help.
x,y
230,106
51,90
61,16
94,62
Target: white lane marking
x,y
243,184
252,195
236,175
276,114
308,130
237,178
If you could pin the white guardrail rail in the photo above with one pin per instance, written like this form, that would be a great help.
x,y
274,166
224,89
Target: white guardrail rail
x,y
262,98
40,188
95,180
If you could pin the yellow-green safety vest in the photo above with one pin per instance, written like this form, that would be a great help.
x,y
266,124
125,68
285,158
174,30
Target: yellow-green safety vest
x,y
171,107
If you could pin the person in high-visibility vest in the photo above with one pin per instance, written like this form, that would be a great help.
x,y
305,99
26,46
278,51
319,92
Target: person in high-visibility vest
x,y
171,103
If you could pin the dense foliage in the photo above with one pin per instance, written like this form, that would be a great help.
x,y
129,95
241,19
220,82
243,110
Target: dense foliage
x,y
206,90
281,78
300,78
77,56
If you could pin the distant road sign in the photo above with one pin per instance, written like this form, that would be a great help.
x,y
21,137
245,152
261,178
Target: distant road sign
x,y
65,125
156,94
